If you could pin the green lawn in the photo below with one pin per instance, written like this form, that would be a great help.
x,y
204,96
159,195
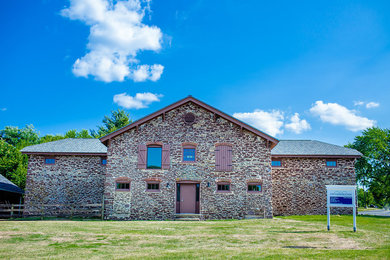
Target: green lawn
x,y
270,238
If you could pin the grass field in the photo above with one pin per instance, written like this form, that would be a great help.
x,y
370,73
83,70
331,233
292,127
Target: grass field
x,y
281,237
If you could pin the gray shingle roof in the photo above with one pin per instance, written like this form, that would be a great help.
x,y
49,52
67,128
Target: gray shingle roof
x,y
311,147
69,145
9,186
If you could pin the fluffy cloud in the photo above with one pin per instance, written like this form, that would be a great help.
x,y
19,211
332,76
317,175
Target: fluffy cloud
x,y
269,122
367,105
336,114
140,100
116,35
297,125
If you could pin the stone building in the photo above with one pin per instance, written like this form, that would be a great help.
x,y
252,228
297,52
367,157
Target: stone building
x,y
188,158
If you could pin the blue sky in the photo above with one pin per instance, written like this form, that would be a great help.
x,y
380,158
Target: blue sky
x,y
313,70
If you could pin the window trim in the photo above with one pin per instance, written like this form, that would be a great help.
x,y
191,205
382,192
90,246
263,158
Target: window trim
x,y
224,183
153,190
276,160
254,183
44,160
123,180
331,160
189,146
154,145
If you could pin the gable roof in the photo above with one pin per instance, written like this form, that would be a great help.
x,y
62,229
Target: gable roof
x,y
69,146
181,102
7,185
312,148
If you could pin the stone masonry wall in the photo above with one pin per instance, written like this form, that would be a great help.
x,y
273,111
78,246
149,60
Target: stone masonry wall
x,y
251,161
299,185
71,180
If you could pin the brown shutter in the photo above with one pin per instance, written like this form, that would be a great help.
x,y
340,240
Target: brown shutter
x,y
165,156
223,158
142,156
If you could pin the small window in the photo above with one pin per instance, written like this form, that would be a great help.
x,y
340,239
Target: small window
x,y
223,187
50,161
103,161
123,186
154,157
276,163
331,163
188,154
254,187
153,186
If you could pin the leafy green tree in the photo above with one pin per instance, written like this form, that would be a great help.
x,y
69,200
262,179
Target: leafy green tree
x,y
373,169
118,119
74,134
20,137
13,164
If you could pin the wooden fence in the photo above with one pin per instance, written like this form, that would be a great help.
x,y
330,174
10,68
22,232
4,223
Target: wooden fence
x,y
52,210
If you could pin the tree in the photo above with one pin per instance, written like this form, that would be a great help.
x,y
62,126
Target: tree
x,y
118,119
13,164
74,134
373,169
20,137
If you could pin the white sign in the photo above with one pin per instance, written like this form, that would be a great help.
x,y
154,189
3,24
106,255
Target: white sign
x,y
341,196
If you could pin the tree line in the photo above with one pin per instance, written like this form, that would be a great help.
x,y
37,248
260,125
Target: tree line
x,y
13,164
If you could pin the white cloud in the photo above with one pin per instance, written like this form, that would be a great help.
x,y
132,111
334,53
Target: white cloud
x,y
336,114
372,105
3,109
367,105
297,125
117,34
269,122
140,100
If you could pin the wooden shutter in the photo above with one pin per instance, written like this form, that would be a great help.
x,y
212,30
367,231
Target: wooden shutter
x,y
142,156
223,158
165,156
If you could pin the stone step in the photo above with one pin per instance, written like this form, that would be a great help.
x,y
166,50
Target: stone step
x,y
254,217
187,219
187,215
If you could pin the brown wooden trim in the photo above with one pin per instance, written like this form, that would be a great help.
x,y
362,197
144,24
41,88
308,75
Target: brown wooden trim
x,y
331,160
254,183
224,183
123,180
153,190
188,182
49,157
57,153
227,144
199,103
315,156
188,145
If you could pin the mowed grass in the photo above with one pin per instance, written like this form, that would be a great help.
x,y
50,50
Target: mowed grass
x,y
281,237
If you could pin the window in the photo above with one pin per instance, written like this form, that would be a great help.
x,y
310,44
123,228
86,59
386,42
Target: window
x,y
276,163
154,157
254,187
153,186
103,161
123,186
331,163
189,152
223,187
50,161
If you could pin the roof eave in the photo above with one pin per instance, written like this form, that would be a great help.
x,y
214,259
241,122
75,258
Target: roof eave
x,y
315,156
63,153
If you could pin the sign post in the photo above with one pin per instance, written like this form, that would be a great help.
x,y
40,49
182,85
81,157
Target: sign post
x,y
341,196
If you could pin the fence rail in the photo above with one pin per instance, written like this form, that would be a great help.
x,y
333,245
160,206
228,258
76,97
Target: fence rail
x,y
52,210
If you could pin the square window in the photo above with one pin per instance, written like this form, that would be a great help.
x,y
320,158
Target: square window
x,y
223,187
331,163
254,187
153,186
188,154
123,186
276,163
154,157
50,161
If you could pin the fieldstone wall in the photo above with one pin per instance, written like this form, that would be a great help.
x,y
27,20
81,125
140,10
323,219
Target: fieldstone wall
x,y
71,180
299,185
251,161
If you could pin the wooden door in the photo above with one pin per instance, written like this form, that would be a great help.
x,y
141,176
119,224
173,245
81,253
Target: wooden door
x,y
187,198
